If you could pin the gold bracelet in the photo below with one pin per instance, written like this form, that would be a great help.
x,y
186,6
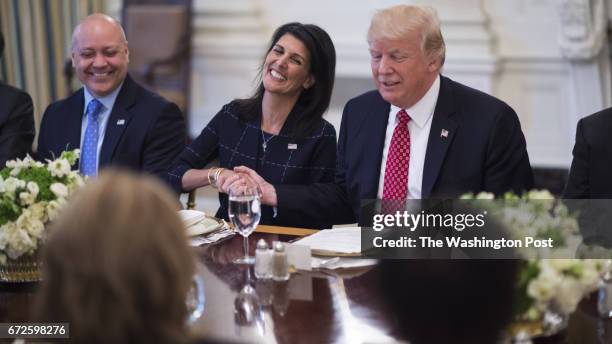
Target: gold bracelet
x,y
208,176
216,176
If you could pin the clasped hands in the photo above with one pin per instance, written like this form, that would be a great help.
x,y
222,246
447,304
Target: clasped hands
x,y
243,176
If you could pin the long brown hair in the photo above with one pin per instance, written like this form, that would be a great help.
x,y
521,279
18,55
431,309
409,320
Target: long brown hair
x,y
117,265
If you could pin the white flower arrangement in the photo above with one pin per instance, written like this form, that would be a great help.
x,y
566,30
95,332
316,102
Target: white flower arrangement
x,y
544,285
555,285
535,214
31,194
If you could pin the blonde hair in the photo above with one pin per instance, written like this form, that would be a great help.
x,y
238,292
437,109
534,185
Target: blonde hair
x,y
117,265
398,22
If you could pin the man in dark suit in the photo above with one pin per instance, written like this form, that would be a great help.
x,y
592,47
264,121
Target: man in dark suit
x,y
16,121
419,135
113,120
592,164
589,185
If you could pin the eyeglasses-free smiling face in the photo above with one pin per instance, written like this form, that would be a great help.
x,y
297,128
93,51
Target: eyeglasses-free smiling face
x,y
100,55
401,71
287,67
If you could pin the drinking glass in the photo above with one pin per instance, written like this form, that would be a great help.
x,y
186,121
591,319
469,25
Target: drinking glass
x,y
248,311
244,212
196,297
604,297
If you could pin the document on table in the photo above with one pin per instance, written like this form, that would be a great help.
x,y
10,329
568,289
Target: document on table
x,y
334,242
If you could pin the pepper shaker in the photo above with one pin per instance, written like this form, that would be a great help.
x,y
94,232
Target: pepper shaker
x,y
280,263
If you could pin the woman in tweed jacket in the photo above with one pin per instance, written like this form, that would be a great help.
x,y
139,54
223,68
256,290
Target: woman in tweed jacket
x,y
279,131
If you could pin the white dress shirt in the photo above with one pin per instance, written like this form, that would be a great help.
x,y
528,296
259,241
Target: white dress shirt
x,y
419,127
108,102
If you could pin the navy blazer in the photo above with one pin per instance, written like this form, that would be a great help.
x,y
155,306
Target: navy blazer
x,y
144,133
484,150
589,175
16,123
287,159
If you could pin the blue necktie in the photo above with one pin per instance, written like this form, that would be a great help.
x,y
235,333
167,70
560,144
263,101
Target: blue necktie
x,y
89,151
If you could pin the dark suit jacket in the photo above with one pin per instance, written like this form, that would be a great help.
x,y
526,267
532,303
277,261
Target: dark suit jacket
x,y
151,136
592,164
16,123
483,151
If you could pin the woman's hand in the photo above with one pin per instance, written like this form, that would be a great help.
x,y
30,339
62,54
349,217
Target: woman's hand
x,y
268,192
226,179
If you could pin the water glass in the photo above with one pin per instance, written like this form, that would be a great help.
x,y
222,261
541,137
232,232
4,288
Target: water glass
x,y
244,213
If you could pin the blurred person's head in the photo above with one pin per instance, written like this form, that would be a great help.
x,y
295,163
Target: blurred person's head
x,y
407,51
300,63
117,265
100,54
459,301
449,301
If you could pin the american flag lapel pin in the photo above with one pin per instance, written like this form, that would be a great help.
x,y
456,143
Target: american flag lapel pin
x,y
444,133
292,146
121,122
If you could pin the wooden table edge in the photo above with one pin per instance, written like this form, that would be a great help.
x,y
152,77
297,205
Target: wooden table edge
x,y
285,230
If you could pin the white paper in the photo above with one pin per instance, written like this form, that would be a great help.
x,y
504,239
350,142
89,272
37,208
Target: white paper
x,y
345,240
298,256
341,263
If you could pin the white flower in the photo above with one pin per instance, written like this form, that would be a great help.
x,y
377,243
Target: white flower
x,y
485,195
15,172
29,162
23,235
16,165
12,184
18,242
569,294
59,167
75,181
33,188
540,194
39,211
12,163
561,264
30,223
53,209
543,287
3,235
59,190
26,198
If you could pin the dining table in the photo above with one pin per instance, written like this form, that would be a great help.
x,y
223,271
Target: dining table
x,y
317,306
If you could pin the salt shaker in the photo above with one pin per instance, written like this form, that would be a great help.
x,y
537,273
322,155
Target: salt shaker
x,y
263,260
280,263
604,297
